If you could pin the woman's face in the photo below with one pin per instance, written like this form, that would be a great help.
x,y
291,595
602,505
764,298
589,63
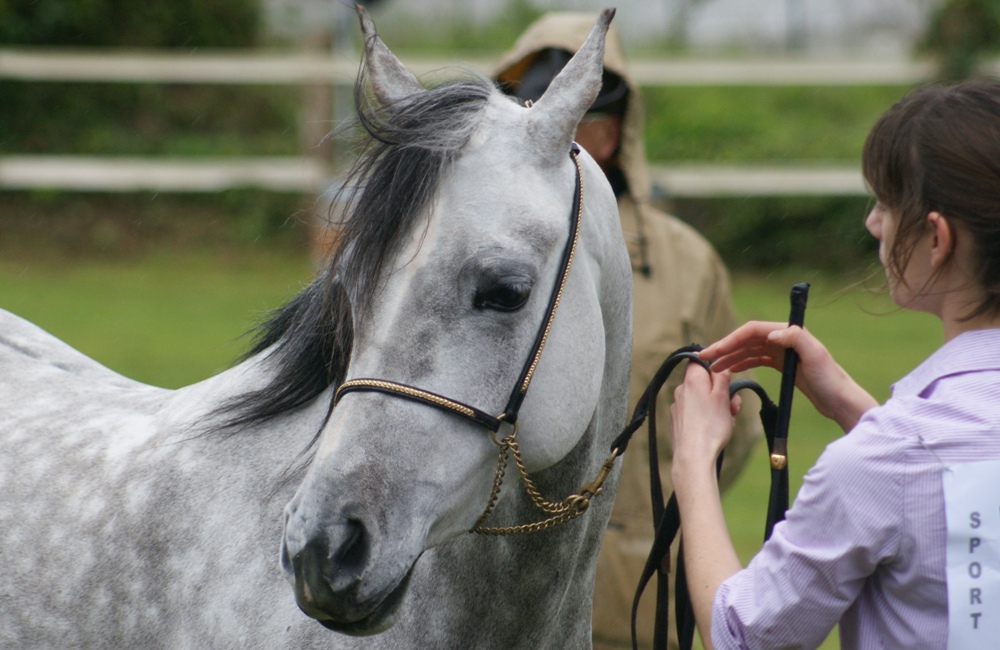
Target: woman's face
x,y
905,291
883,228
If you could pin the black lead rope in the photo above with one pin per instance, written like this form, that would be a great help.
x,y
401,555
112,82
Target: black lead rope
x,y
666,515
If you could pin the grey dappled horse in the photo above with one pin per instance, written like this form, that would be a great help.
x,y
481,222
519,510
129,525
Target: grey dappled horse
x,y
136,517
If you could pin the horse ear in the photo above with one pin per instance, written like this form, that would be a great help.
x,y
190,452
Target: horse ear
x,y
390,80
557,113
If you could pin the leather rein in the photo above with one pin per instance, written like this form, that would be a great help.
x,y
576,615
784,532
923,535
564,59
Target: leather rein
x,y
666,515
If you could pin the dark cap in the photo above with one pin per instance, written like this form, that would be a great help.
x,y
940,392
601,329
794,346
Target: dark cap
x,y
544,67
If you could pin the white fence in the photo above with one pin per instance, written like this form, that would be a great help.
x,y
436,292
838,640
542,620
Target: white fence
x,y
308,174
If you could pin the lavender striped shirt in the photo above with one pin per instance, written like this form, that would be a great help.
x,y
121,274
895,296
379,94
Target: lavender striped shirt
x,y
864,542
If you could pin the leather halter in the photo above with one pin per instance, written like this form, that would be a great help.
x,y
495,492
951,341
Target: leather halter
x,y
509,414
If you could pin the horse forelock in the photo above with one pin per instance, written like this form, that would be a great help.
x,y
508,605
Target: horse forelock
x,y
405,148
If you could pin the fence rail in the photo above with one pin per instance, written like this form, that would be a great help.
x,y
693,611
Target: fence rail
x,y
124,174
309,175
128,174
251,67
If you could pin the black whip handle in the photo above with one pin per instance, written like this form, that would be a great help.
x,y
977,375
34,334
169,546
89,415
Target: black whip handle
x,y
777,503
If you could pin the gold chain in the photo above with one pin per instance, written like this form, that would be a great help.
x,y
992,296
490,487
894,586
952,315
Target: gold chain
x,y
497,483
559,513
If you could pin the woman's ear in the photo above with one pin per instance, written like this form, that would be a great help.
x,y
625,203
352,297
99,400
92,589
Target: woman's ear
x,y
942,238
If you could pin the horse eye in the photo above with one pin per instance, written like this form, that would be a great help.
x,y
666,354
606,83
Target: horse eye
x,y
503,296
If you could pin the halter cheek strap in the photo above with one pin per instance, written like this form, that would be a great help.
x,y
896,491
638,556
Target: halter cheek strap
x,y
521,389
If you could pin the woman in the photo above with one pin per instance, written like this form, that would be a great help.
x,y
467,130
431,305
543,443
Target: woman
x,y
864,544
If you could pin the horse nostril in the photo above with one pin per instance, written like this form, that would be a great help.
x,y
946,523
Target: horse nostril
x,y
332,562
346,565
309,567
353,551
285,560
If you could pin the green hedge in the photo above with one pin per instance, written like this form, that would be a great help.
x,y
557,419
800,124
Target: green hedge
x,y
138,119
52,225
148,119
763,123
825,233
126,23
774,126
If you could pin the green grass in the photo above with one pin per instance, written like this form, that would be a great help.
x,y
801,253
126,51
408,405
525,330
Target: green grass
x,y
163,320
171,320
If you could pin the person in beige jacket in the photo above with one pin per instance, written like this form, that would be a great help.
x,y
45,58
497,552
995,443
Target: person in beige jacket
x,y
681,295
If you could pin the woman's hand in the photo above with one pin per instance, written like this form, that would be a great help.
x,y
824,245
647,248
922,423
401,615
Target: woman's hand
x,y
701,416
701,424
831,390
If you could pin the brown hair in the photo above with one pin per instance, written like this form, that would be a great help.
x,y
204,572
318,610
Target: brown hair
x,y
939,150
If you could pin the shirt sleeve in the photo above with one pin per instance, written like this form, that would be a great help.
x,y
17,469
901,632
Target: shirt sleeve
x,y
845,521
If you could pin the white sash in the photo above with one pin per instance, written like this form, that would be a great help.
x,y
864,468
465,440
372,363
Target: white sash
x,y
972,505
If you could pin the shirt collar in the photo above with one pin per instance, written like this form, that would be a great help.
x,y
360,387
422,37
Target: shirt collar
x,y
968,352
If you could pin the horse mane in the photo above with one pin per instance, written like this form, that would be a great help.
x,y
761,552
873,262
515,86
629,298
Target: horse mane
x,y
406,147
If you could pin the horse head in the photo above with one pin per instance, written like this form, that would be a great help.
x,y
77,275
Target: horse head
x,y
447,265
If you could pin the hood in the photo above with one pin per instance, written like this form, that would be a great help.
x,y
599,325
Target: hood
x,y
567,31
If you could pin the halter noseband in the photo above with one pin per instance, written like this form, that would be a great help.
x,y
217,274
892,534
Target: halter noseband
x,y
576,503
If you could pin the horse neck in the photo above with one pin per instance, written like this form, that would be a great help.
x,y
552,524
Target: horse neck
x,y
202,406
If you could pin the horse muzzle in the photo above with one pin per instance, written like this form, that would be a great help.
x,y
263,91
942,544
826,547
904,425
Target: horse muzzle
x,y
331,573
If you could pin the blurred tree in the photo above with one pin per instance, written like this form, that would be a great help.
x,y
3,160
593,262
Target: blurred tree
x,y
960,33
63,117
110,23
